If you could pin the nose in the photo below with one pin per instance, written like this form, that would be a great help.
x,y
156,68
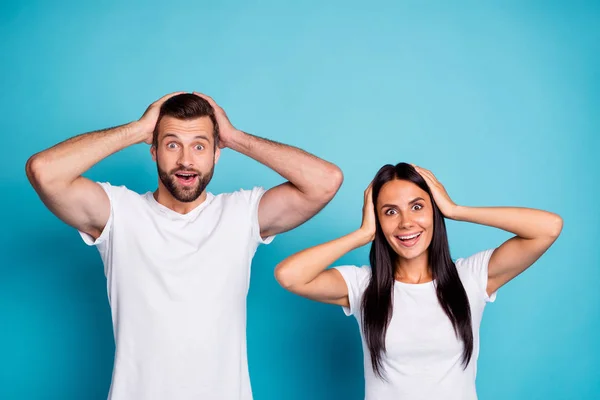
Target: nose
x,y
405,221
185,158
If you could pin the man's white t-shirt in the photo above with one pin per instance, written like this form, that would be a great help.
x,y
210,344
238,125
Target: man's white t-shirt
x,y
423,354
177,287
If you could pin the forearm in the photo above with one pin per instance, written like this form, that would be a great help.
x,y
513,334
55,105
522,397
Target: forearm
x,y
64,162
301,268
524,222
305,171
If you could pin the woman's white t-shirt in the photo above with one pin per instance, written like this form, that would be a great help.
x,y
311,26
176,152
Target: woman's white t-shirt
x,y
423,354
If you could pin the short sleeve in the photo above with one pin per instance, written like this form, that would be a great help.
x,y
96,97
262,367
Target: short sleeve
x,y
357,279
89,240
475,267
253,197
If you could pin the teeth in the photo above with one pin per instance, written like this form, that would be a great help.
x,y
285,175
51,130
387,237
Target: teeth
x,y
409,237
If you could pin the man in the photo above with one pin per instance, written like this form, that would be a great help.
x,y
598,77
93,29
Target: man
x,y
177,260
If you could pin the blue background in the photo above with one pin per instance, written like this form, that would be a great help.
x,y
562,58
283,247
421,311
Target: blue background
x,y
500,101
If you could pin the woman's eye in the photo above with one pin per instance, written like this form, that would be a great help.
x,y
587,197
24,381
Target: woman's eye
x,y
391,211
417,207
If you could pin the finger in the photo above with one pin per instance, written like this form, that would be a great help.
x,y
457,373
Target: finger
x,y
430,180
427,179
418,169
207,98
428,172
369,193
433,179
427,175
421,171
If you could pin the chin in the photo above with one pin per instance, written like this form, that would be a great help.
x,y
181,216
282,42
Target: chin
x,y
409,253
186,195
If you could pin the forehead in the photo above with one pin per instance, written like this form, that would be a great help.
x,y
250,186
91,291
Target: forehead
x,y
186,128
400,192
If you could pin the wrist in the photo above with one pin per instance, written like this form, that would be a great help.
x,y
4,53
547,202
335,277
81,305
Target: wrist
x,y
138,132
236,140
363,236
233,138
457,213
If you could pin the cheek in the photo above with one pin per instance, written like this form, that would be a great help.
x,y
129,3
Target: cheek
x,y
207,160
165,159
425,221
162,156
387,224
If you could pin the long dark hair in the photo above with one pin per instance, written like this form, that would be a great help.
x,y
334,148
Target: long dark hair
x,y
377,300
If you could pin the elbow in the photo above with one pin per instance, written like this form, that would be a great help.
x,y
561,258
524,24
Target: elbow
x,y
555,227
42,175
34,168
321,189
284,277
332,182
336,179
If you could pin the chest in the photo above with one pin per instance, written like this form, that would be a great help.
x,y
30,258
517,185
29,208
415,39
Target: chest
x,y
196,259
420,333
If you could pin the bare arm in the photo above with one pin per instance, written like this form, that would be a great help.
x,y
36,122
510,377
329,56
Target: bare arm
x,y
305,273
535,231
55,173
312,182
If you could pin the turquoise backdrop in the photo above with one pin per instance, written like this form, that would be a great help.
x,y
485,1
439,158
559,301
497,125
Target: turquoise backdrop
x,y
501,100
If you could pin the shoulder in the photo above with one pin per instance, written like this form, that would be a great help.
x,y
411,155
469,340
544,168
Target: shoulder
x,y
355,276
118,192
356,279
473,273
246,197
474,263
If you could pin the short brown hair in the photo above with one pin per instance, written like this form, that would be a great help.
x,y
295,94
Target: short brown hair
x,y
187,106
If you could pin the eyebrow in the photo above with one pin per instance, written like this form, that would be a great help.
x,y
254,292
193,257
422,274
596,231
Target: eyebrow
x,y
177,137
410,202
413,201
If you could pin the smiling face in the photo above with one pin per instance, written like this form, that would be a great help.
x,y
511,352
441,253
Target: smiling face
x,y
405,214
185,155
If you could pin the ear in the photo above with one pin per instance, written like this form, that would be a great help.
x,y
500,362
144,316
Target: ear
x,y
217,154
153,152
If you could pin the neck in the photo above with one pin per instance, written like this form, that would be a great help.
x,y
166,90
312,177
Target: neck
x,y
164,197
415,270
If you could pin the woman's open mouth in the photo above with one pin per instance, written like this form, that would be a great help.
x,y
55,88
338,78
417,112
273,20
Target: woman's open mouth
x,y
409,240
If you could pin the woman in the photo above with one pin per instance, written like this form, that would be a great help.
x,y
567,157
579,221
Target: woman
x,y
418,311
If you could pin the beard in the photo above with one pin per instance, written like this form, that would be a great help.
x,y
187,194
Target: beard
x,y
184,194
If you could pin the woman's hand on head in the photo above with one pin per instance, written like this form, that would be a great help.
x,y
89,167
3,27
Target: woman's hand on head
x,y
368,225
440,196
